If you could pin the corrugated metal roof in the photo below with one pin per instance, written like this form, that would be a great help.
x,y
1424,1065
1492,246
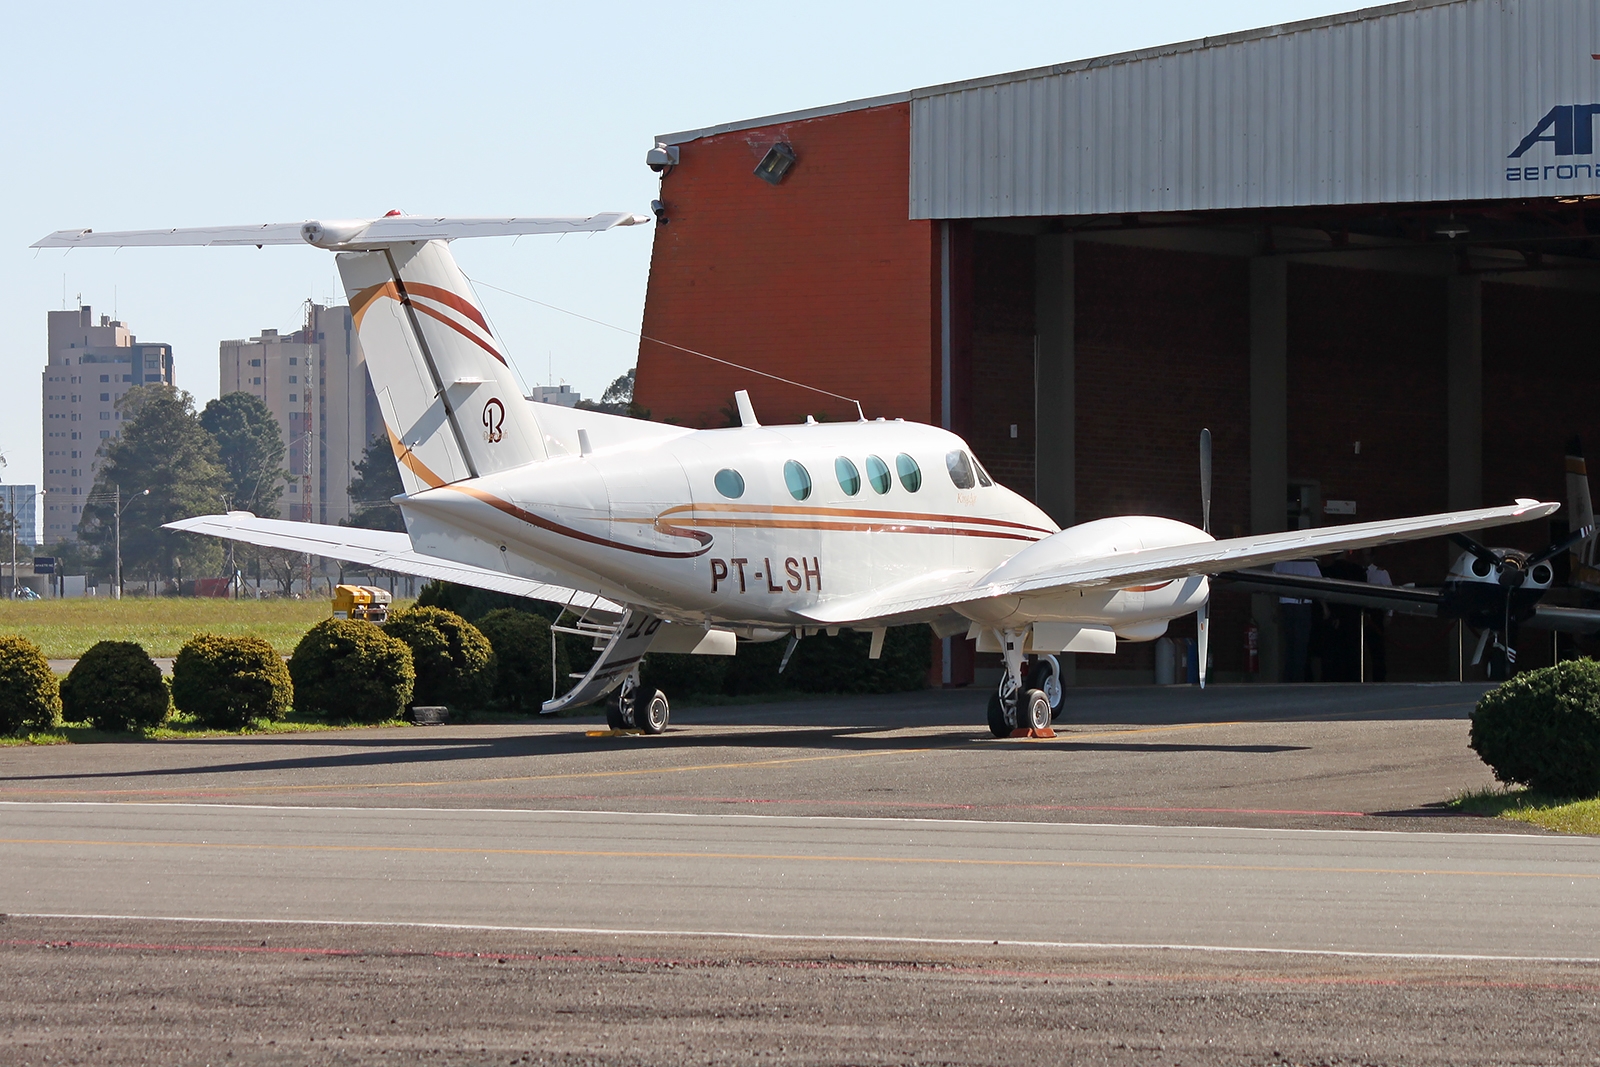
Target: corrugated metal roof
x,y
1412,102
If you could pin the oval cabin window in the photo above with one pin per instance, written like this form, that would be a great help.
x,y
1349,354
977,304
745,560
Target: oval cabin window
x,y
877,474
798,479
730,483
849,477
910,473
960,468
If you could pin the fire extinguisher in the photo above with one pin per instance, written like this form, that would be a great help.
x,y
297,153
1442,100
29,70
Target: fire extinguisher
x,y
1252,648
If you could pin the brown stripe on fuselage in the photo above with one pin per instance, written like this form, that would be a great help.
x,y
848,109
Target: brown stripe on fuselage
x,y
853,513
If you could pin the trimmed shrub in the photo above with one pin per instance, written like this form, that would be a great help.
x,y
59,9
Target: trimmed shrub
x,y
29,693
1542,729
229,681
116,686
454,662
351,669
521,643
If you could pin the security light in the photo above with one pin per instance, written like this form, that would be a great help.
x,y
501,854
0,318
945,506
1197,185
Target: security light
x,y
774,166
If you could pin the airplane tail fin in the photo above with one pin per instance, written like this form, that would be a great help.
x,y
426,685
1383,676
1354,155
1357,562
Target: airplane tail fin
x,y
1580,509
450,401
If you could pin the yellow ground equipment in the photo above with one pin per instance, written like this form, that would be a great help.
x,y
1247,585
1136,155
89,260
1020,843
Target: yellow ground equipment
x,y
361,602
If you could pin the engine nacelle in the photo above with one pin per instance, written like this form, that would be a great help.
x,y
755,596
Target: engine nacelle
x,y
1135,613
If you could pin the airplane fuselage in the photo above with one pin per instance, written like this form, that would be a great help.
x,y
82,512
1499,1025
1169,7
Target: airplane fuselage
x,y
750,526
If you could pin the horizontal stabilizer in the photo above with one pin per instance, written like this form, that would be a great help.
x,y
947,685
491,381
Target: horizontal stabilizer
x,y
342,234
382,550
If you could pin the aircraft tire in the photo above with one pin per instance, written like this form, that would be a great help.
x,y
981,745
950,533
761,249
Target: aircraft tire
x,y
1042,678
616,717
651,710
1033,710
997,717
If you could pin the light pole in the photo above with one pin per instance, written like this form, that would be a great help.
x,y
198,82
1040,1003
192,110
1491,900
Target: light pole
x,y
117,505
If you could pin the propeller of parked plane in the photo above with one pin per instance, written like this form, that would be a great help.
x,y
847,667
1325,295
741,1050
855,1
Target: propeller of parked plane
x,y
1513,569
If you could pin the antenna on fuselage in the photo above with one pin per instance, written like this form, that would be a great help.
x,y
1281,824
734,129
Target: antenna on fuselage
x,y
747,412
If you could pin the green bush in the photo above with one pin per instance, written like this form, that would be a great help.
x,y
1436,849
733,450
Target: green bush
x,y
115,686
454,661
29,693
229,681
351,669
1542,729
521,643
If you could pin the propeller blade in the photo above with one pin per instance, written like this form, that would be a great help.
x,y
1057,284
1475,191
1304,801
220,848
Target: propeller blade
x,y
1583,533
1205,482
1202,620
1488,555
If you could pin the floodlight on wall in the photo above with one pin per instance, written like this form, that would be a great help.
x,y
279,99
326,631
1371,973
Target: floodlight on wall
x,y
661,158
775,165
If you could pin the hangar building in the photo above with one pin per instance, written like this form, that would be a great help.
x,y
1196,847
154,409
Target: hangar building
x,y
1359,248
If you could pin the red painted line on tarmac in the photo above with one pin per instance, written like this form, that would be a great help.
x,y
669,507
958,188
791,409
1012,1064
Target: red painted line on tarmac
x,y
816,965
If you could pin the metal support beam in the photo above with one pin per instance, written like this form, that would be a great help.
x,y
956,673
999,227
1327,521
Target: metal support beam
x,y
1269,430
1055,396
1464,391
1054,378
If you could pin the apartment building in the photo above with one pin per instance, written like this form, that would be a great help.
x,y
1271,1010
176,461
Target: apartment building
x,y
314,381
91,365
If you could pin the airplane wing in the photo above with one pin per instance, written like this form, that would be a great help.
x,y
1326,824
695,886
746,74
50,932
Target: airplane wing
x,y
1405,599
1582,621
381,550
342,233
1036,571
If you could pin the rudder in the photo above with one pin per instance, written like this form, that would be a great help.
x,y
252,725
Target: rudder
x,y
450,401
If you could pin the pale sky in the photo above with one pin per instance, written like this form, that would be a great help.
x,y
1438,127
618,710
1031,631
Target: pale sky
x,y
124,116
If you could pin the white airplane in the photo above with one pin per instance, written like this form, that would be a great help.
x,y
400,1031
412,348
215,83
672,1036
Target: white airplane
x,y
675,540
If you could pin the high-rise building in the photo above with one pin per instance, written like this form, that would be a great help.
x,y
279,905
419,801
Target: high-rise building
x,y
90,367
314,381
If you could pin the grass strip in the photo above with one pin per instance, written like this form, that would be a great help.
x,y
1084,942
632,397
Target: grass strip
x,y
1562,814
65,629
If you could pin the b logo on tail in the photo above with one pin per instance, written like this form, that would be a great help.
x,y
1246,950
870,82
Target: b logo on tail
x,y
494,417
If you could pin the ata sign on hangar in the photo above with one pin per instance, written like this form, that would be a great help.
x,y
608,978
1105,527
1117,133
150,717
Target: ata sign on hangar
x,y
1362,249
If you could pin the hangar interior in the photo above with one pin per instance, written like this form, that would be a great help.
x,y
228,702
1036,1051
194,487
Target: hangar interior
x,y
1307,238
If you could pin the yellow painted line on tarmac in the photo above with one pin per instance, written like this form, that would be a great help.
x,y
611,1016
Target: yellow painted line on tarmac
x,y
212,790
798,858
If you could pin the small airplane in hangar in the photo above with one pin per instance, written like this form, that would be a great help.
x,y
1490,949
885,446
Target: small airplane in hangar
x,y
1494,591
676,540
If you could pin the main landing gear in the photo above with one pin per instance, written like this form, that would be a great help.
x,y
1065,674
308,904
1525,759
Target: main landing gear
x,y
632,706
1026,699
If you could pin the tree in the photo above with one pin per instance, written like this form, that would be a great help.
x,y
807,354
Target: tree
x,y
165,450
250,445
618,398
377,480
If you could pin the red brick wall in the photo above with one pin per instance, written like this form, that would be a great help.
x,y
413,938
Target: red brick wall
x,y
1164,351
998,387
821,279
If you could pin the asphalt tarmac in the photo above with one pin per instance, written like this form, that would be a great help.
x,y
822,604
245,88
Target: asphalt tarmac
x,y
1250,875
